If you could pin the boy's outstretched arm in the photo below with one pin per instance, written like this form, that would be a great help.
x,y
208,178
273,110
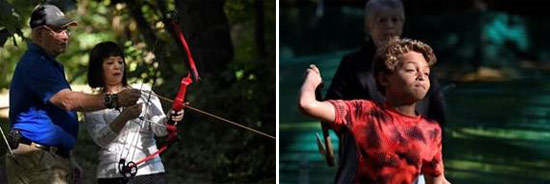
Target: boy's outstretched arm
x,y
307,103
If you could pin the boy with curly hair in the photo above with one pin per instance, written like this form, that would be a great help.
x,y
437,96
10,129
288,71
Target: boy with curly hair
x,y
394,142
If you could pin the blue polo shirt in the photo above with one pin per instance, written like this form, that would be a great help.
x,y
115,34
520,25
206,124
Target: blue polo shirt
x,y
37,78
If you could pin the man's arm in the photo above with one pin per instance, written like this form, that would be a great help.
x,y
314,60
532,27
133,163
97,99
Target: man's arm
x,y
78,101
307,103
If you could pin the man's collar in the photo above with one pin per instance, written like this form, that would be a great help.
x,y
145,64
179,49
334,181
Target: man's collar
x,y
36,48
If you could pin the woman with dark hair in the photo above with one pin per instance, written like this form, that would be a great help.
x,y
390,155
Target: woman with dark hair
x,y
119,133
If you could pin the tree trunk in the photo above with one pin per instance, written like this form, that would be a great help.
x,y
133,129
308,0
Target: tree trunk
x,y
259,32
206,28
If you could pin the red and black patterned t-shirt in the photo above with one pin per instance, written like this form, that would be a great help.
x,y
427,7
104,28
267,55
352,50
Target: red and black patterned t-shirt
x,y
391,147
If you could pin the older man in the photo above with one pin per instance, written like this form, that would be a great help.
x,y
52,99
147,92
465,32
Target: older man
x,y
384,21
43,120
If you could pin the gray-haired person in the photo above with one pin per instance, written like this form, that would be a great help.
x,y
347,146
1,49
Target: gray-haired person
x,y
384,21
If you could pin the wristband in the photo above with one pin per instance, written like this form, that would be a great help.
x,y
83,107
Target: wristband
x,y
111,101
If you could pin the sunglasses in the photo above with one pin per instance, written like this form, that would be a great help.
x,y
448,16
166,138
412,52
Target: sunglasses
x,y
58,30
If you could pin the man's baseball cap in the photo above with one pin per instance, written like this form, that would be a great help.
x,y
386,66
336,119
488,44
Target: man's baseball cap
x,y
50,15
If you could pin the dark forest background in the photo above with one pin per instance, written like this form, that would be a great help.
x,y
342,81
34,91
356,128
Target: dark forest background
x,y
493,63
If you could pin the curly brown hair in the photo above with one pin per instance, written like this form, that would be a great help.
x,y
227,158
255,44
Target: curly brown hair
x,y
387,57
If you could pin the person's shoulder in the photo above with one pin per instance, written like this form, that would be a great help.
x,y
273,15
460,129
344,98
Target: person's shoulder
x,y
370,102
360,59
353,101
431,128
30,64
429,121
28,57
365,103
33,60
354,57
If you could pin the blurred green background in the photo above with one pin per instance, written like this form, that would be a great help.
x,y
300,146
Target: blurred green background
x,y
494,64
233,43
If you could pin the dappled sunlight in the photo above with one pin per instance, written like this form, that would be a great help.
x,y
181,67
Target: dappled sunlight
x,y
4,105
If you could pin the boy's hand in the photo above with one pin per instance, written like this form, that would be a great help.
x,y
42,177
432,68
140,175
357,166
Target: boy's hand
x,y
307,103
313,76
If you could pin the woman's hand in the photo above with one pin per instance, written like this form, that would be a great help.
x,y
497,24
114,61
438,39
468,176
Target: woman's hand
x,y
176,116
129,113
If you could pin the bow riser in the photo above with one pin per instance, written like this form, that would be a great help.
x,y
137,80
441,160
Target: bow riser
x,y
180,97
130,168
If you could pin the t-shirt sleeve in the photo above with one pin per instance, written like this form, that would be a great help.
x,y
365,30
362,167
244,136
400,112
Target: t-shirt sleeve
x,y
44,80
433,165
156,115
347,112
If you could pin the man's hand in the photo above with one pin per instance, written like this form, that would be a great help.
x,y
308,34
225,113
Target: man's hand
x,y
313,76
131,112
128,97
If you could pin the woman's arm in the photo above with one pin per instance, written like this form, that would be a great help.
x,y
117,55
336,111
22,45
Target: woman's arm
x,y
157,116
307,103
129,113
98,128
102,132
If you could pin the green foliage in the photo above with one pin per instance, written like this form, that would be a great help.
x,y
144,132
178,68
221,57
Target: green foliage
x,y
209,150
